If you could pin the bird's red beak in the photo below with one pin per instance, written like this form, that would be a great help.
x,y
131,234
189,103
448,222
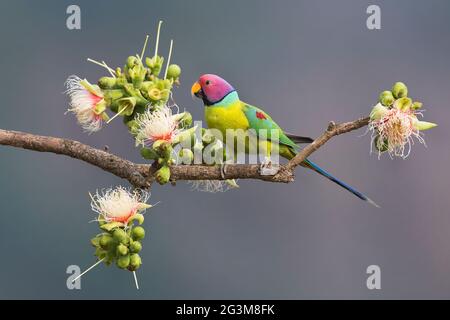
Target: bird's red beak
x,y
196,88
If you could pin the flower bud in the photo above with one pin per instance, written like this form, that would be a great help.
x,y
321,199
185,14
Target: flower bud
x,y
186,156
399,90
122,249
135,247
123,262
132,61
106,241
207,137
120,235
138,233
137,75
378,112
155,64
185,136
107,82
386,98
173,72
403,104
163,175
183,117
135,262
416,105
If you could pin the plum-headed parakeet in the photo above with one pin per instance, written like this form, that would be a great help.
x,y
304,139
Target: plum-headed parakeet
x,y
224,111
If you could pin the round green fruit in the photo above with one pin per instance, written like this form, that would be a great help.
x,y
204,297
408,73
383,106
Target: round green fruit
x,y
138,233
135,261
123,262
173,72
135,247
387,98
400,90
120,235
122,249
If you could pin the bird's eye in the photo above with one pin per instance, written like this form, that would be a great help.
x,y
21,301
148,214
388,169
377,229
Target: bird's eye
x,y
207,82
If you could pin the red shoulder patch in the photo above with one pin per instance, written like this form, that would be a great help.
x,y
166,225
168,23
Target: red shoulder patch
x,y
260,115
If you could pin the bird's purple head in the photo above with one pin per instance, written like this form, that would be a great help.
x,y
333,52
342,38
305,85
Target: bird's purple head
x,y
211,89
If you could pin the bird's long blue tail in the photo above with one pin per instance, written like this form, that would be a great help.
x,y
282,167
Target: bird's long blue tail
x,y
319,170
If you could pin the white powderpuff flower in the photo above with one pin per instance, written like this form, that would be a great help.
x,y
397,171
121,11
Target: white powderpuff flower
x,y
394,131
86,103
119,204
159,124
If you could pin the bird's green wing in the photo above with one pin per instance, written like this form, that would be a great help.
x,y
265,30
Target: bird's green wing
x,y
258,119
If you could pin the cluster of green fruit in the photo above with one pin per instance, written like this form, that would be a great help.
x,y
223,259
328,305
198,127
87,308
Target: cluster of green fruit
x,y
137,87
120,244
399,91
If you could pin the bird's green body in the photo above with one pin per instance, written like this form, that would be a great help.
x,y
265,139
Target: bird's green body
x,y
233,114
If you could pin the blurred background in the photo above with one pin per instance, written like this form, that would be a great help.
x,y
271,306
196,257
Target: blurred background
x,y
304,62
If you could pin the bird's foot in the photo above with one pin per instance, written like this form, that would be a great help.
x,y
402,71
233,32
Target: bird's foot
x,y
268,168
223,168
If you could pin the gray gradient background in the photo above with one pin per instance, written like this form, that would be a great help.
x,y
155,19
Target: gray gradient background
x,y
305,62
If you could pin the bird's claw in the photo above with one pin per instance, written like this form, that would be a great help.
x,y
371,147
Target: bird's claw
x,y
223,170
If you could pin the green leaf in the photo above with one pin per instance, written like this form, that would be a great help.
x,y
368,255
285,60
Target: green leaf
x,y
111,225
424,125
149,154
95,241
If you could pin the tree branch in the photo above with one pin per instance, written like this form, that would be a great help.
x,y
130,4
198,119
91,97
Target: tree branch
x,y
142,175
332,130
